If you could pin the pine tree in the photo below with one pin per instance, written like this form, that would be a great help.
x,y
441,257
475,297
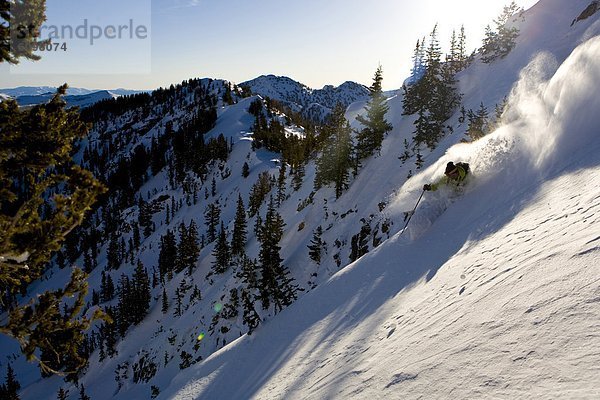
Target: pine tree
x,y
140,296
250,316
257,226
452,59
113,256
107,288
462,49
489,47
259,191
125,308
196,295
167,255
419,159
316,245
36,170
9,390
108,333
448,99
360,242
17,42
298,176
281,184
406,154
418,68
478,122
248,273
238,239
227,97
88,265
82,394
336,160
275,285
180,263
178,302
499,111
231,309
212,217
221,252
433,98
429,127
498,43
245,170
62,394
213,187
165,302
369,138
433,53
136,236
145,217
188,250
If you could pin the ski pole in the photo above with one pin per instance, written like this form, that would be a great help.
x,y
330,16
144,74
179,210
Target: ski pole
x,y
412,212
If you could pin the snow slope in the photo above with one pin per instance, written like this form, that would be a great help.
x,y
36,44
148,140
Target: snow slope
x,y
510,310
498,297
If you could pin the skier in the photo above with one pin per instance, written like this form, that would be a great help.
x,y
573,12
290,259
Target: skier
x,y
454,174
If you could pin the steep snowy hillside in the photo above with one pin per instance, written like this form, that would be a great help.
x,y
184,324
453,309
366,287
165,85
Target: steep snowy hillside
x,y
495,294
500,299
314,104
491,293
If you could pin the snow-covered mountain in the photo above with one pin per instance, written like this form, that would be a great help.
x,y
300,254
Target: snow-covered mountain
x,y
41,90
315,104
83,100
490,294
29,95
71,91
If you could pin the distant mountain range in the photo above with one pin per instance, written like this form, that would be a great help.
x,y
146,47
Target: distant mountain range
x,y
42,90
79,97
83,100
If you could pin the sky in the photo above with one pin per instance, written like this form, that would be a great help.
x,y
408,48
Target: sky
x,y
314,42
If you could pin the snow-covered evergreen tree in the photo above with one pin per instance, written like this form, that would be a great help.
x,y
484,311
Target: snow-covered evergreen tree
x,y
375,126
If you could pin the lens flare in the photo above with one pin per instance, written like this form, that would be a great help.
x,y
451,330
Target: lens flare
x,y
218,307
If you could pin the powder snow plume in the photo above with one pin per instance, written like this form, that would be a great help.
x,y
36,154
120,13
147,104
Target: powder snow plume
x,y
551,117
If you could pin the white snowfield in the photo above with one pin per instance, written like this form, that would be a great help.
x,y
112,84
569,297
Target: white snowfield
x,y
510,309
498,297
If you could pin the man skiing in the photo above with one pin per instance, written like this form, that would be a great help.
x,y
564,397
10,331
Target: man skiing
x,y
455,174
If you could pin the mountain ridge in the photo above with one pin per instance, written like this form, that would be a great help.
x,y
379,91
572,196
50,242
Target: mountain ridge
x,y
314,104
